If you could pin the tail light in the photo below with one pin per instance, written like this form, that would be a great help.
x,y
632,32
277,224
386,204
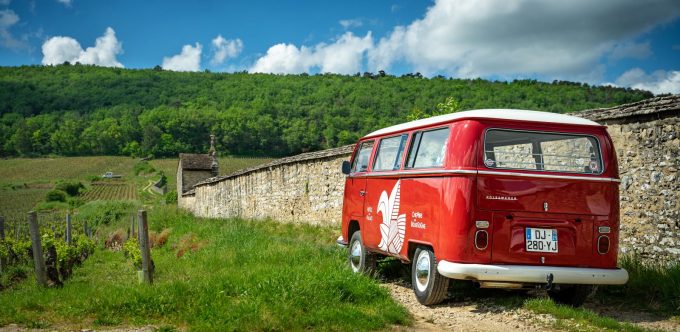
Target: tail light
x,y
481,240
603,244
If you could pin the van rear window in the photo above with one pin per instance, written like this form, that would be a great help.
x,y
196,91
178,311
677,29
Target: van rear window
x,y
510,149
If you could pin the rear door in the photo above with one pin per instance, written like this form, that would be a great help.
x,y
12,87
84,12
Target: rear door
x,y
545,194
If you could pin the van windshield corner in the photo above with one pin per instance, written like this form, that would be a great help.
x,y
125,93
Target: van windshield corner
x,y
542,151
362,157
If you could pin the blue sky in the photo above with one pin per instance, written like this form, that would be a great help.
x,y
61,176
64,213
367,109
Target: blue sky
x,y
620,42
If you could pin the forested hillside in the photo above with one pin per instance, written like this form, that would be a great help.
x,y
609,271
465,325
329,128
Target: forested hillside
x,y
86,110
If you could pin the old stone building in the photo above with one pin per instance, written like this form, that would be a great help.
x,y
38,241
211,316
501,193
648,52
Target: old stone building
x,y
196,167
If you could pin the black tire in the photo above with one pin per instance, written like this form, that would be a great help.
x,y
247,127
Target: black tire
x,y
429,286
572,295
359,258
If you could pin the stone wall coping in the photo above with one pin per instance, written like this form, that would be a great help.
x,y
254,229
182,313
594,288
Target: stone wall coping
x,y
316,155
645,107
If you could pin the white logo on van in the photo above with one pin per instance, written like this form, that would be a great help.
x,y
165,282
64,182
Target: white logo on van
x,y
393,226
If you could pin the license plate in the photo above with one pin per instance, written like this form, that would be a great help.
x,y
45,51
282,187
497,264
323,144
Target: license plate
x,y
541,239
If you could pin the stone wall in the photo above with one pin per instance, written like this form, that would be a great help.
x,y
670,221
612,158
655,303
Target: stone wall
x,y
646,137
309,187
304,188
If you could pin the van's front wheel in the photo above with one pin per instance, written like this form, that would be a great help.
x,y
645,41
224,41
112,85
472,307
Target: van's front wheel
x,y
430,286
360,259
573,295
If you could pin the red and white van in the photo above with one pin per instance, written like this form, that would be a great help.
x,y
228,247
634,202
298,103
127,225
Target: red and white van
x,y
504,198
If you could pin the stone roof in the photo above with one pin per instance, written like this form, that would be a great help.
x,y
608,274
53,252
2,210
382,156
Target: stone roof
x,y
195,161
654,107
323,154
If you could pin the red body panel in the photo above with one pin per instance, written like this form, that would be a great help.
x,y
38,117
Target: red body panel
x,y
440,207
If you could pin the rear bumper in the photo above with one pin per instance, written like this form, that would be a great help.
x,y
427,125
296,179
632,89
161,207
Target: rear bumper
x,y
532,274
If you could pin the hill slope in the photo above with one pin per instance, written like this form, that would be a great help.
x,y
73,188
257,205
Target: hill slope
x,y
86,110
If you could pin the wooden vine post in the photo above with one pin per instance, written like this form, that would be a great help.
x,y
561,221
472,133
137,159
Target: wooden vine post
x,y
144,247
2,237
40,271
68,228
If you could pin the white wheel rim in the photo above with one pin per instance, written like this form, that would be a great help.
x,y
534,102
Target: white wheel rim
x,y
355,256
423,271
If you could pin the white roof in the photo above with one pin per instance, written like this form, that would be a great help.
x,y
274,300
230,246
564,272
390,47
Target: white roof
x,y
505,114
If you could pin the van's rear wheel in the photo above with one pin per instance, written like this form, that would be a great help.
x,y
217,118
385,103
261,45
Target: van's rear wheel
x,y
430,286
360,259
573,295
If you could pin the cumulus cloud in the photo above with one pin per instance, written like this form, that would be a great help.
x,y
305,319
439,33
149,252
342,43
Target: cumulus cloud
x,y
224,49
66,3
658,82
344,56
471,38
351,23
8,18
188,60
57,50
631,50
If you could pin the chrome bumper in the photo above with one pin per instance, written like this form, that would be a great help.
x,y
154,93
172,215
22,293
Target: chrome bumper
x,y
532,274
341,241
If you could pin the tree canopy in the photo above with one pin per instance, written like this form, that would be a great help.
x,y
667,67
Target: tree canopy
x,y
87,110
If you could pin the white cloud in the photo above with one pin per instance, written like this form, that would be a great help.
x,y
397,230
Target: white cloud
x,y
471,38
658,82
225,48
344,56
57,50
8,18
351,23
188,60
66,3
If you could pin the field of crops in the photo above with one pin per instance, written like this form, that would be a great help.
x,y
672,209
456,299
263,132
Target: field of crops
x,y
114,190
15,203
42,170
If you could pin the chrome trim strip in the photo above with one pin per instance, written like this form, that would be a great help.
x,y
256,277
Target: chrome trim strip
x,y
473,172
549,176
434,172
532,274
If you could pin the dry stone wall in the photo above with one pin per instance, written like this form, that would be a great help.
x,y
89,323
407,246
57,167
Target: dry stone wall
x,y
646,137
309,187
305,188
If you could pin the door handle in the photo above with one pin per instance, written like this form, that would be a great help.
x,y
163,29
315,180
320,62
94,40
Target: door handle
x,y
362,193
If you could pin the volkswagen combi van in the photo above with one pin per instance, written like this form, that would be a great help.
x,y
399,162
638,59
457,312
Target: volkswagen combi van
x,y
504,198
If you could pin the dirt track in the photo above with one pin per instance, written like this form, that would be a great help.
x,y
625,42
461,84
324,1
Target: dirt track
x,y
482,314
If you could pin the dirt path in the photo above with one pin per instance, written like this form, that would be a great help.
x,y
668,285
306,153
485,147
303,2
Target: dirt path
x,y
482,314
466,315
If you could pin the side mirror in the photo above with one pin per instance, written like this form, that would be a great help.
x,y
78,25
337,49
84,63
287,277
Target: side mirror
x,y
346,167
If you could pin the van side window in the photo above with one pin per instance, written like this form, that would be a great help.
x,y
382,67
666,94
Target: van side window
x,y
361,160
390,151
428,148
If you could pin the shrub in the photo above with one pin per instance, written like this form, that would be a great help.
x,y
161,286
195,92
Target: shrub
x,y
143,167
131,250
55,195
71,188
171,197
115,240
105,212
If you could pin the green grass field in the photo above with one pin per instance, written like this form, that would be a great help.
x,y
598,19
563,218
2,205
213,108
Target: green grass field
x,y
243,276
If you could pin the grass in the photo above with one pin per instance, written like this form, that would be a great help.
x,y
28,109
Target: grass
x,y
246,276
577,319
